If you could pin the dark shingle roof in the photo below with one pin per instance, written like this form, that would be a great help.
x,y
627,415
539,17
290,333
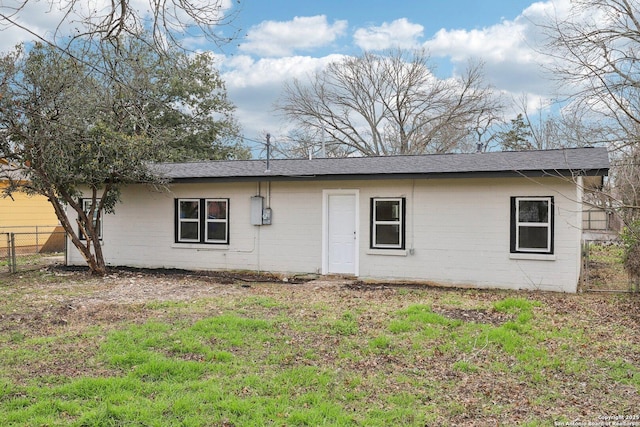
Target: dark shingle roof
x,y
563,162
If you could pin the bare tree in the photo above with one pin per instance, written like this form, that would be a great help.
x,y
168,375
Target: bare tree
x,y
483,131
568,125
626,175
596,48
111,20
378,105
597,52
626,197
310,143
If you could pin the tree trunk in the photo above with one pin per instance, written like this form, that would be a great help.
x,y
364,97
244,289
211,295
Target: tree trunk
x,y
95,260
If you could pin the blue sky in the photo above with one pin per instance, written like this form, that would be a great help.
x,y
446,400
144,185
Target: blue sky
x,y
285,39
351,20
432,14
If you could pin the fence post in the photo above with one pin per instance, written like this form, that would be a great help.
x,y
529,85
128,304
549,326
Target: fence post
x,y
13,264
66,247
8,254
585,263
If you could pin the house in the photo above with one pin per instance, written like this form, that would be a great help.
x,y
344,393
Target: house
x,y
487,220
31,217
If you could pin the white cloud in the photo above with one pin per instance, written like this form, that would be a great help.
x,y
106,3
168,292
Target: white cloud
x,y
399,33
255,85
510,50
548,8
282,38
502,42
243,71
38,17
508,41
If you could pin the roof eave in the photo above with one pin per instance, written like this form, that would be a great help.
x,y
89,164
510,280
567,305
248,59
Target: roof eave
x,y
395,176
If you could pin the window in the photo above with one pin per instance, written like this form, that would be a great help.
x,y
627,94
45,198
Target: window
x,y
189,220
387,223
217,223
202,221
86,207
532,224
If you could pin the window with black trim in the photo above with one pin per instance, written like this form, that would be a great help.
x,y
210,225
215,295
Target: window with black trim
x,y
202,221
387,223
532,225
86,207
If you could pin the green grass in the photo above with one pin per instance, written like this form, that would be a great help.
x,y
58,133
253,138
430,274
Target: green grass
x,y
25,261
187,373
610,254
271,357
347,324
604,267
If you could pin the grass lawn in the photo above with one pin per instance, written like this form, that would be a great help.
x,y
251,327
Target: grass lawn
x,y
137,349
604,268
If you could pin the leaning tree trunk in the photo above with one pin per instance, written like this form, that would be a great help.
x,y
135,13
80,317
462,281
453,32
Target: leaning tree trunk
x,y
95,260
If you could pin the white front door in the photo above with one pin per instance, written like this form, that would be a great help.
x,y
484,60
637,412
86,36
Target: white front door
x,y
341,239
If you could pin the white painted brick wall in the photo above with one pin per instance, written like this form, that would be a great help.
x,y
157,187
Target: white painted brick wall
x,y
458,228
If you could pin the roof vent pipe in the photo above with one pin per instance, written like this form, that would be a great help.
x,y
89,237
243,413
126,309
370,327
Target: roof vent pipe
x,y
479,147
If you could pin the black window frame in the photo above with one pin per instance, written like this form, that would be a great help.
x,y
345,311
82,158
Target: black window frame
x,y
373,221
203,220
516,224
82,201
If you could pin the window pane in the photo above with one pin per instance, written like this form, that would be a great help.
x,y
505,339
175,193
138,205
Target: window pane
x,y
533,237
533,211
189,209
189,230
217,210
217,231
387,210
86,206
387,234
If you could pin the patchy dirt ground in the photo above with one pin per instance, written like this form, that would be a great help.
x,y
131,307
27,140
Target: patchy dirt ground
x,y
67,290
66,301
65,294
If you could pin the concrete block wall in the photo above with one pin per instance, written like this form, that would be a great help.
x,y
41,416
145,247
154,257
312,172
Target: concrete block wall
x,y
457,231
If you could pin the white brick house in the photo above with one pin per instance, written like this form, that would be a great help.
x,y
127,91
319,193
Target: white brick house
x,y
487,220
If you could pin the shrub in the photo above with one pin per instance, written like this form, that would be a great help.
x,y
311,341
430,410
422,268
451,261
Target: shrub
x,y
631,240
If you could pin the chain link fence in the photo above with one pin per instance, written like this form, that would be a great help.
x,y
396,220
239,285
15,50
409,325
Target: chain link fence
x,y
603,267
27,248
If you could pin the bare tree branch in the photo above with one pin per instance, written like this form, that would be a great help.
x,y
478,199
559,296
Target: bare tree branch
x,y
597,60
167,20
596,52
379,105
